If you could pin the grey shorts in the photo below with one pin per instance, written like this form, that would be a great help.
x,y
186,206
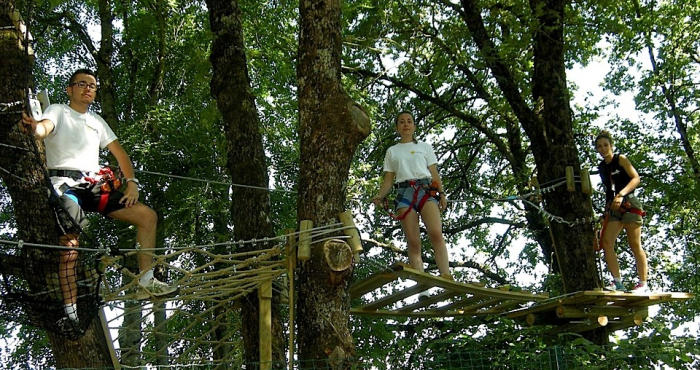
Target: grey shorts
x,y
628,217
405,195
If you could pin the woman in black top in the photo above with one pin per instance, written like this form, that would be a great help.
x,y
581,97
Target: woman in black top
x,y
623,210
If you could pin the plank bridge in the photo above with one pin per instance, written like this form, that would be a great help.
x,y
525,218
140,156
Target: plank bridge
x,y
388,293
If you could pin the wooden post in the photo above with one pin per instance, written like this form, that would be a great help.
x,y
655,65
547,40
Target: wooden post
x,y
351,231
304,248
108,338
570,184
586,182
291,266
265,324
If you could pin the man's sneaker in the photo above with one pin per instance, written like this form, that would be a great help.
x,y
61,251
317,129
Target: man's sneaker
x,y
156,289
641,289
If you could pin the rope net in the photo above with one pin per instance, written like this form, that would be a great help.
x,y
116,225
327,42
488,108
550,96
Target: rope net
x,y
32,290
194,326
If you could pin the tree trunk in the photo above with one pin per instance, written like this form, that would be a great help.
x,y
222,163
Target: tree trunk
x,y
27,184
550,130
103,59
250,208
331,126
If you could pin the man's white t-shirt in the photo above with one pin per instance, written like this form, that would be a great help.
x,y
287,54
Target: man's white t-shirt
x,y
409,161
75,141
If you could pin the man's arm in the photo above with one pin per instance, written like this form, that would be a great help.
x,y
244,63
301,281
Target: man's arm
x,y
41,129
131,194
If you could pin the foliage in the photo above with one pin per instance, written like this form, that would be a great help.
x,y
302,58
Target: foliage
x,y
412,55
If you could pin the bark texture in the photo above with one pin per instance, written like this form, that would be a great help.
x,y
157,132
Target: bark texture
x,y
250,208
331,126
26,182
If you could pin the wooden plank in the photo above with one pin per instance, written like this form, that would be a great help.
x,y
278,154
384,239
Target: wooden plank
x,y
430,280
461,303
393,298
414,314
474,307
567,311
577,326
632,320
373,282
108,337
500,308
427,301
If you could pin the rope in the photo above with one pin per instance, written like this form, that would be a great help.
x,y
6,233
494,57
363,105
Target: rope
x,y
5,107
3,169
216,182
21,243
14,147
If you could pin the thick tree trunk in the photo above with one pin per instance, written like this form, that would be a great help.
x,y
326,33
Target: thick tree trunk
x,y
331,126
26,182
549,128
552,133
250,208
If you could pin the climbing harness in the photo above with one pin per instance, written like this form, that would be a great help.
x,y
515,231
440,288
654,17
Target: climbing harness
x,y
625,207
105,184
431,190
601,233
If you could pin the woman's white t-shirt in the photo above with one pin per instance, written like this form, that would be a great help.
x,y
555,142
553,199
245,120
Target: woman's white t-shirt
x,y
409,160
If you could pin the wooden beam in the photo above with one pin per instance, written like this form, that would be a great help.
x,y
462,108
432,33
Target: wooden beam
x,y
635,319
265,324
373,282
397,296
415,314
108,337
579,326
351,230
462,288
304,247
570,185
586,187
291,266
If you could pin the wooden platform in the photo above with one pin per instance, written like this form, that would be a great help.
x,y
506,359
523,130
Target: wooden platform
x,y
591,309
448,298
394,293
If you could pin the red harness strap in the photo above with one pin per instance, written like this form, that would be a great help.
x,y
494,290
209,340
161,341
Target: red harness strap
x,y
416,187
107,182
599,245
104,197
627,207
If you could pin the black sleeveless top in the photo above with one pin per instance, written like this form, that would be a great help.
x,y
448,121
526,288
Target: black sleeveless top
x,y
613,174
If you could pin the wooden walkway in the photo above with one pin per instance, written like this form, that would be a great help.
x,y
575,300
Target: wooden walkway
x,y
389,293
451,298
591,309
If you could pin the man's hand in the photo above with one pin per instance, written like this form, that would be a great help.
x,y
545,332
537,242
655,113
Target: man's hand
x,y
131,195
28,123
40,129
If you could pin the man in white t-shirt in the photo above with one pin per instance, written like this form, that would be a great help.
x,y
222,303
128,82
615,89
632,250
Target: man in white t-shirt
x,y
73,136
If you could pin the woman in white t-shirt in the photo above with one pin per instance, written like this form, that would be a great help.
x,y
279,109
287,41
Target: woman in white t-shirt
x,y
411,167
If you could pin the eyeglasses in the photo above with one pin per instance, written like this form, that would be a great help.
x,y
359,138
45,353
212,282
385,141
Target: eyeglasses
x,y
83,85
